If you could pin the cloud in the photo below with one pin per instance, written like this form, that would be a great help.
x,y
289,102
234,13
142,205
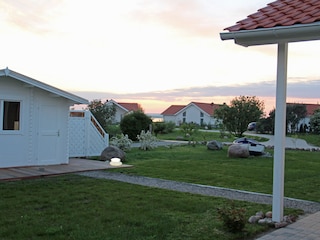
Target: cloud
x,y
31,15
301,89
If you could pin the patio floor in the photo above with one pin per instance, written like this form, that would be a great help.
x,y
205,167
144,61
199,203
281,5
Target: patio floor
x,y
75,165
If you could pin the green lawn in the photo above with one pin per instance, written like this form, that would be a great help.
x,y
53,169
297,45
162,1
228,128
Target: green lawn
x,y
76,207
199,165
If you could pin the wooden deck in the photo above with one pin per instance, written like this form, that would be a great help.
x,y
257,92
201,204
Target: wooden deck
x,y
75,165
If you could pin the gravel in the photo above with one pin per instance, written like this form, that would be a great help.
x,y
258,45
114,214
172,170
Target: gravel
x,y
306,206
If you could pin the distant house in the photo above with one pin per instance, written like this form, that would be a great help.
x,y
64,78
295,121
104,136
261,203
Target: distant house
x,y
196,112
123,108
34,123
305,122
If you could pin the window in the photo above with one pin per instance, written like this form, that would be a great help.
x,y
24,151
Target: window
x,y
11,115
184,114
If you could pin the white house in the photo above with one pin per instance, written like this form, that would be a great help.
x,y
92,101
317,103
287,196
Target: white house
x,y
33,121
196,112
304,123
123,108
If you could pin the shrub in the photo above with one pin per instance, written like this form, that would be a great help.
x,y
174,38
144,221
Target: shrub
x,y
113,130
189,128
132,124
233,218
121,141
163,127
147,140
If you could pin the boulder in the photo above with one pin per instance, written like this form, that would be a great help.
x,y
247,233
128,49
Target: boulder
x,y
214,145
112,152
238,150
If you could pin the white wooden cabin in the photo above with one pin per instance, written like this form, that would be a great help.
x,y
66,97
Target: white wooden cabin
x,y
33,121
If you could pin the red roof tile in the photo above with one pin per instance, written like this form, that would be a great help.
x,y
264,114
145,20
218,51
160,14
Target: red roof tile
x,y
209,108
172,110
310,107
281,13
130,106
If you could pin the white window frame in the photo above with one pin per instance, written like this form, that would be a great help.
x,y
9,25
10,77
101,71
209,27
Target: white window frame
x,y
2,131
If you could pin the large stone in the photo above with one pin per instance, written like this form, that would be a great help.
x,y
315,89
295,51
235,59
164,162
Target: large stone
x,y
214,145
238,150
112,152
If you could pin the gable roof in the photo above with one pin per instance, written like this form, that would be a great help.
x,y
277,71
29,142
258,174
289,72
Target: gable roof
x,y
128,107
208,108
173,109
30,81
281,13
309,107
279,21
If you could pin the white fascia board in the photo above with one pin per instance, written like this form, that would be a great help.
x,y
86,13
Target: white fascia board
x,y
43,86
263,36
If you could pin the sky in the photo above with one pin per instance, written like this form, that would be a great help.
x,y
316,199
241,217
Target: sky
x,y
153,52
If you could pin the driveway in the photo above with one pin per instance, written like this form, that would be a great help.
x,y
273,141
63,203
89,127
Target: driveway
x,y
293,143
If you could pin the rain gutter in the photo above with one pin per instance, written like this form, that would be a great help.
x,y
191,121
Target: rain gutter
x,y
275,35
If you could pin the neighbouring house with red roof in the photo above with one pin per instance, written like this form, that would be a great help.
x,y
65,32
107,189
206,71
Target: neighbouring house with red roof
x,y
305,122
123,108
196,112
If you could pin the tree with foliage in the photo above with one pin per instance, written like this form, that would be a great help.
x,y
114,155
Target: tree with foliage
x,y
266,124
103,112
133,123
242,110
315,122
295,112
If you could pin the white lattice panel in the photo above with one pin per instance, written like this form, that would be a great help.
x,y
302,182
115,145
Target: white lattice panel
x,y
84,138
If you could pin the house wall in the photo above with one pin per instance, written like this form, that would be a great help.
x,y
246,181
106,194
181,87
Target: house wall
x,y
191,114
42,135
119,114
170,118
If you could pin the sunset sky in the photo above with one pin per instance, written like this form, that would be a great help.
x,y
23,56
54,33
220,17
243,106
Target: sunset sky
x,y
153,52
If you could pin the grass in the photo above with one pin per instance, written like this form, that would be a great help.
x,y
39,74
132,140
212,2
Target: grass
x,y
75,207
202,135
199,165
313,139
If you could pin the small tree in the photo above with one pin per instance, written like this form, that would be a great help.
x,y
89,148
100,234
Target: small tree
x,y
266,125
103,112
295,112
315,122
242,110
133,123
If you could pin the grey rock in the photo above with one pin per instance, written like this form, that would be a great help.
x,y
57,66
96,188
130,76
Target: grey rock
x,y
112,152
214,145
238,150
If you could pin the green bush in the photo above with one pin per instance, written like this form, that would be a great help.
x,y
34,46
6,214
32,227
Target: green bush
x,y
189,128
133,123
147,140
121,141
233,218
113,130
163,127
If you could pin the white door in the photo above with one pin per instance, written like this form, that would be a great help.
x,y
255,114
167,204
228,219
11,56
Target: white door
x,y
48,139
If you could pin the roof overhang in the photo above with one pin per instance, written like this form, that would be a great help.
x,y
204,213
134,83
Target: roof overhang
x,y
35,83
275,35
